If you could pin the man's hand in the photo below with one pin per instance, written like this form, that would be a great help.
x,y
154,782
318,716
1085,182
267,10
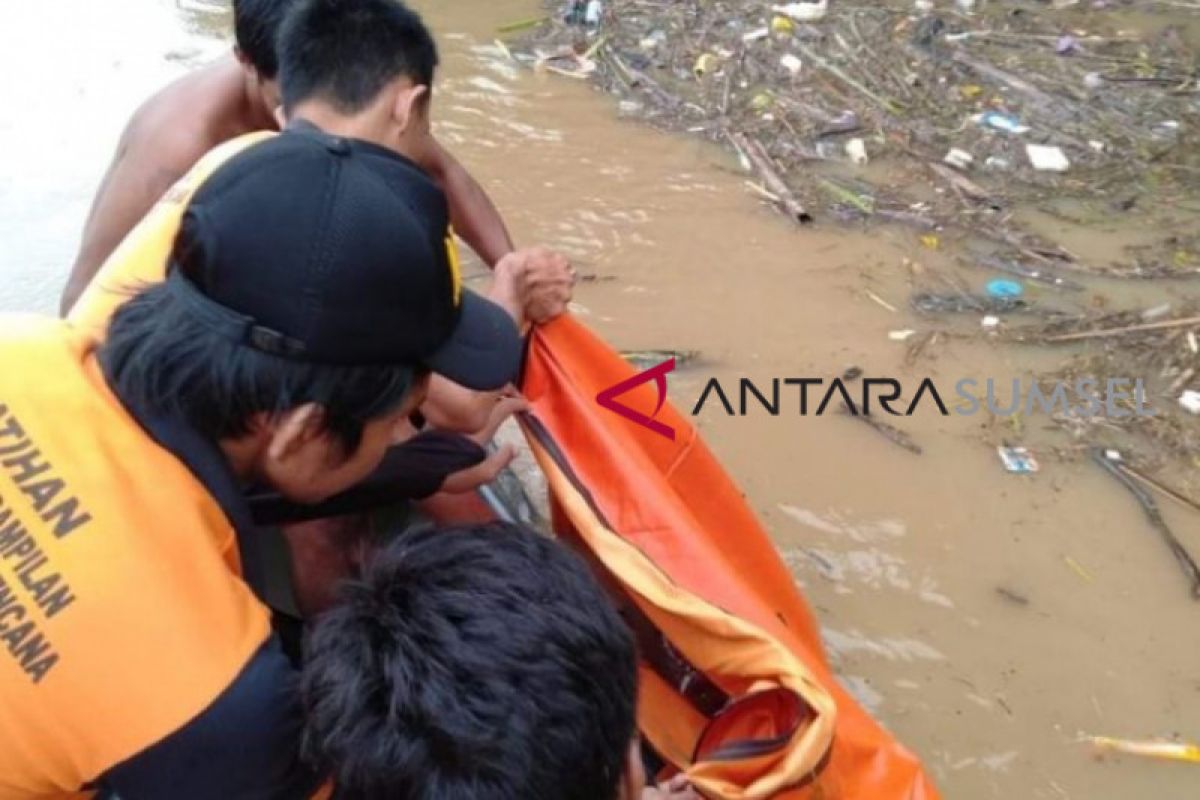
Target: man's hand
x,y
486,471
507,404
536,283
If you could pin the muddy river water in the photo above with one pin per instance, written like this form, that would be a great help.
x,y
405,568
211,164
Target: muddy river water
x,y
988,619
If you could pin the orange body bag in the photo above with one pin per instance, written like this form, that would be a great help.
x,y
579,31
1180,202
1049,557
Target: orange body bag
x,y
673,533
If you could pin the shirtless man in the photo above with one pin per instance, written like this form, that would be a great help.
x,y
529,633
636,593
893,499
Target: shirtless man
x,y
241,94
236,95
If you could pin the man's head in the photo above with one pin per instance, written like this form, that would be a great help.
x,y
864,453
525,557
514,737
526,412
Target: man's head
x,y
368,59
310,293
481,663
256,26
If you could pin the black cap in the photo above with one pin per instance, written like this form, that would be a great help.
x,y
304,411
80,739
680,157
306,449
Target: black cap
x,y
336,251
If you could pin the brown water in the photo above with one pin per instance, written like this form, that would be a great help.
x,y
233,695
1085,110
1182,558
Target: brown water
x,y
901,555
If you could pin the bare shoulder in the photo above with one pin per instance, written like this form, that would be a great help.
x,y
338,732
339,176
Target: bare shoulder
x,y
175,127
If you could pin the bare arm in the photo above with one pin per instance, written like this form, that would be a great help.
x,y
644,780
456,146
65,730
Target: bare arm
x,y
533,286
452,407
139,175
473,214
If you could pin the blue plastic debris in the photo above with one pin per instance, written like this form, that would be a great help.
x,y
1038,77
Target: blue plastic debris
x,y
1002,288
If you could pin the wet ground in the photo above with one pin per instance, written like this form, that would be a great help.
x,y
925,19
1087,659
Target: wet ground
x,y
988,619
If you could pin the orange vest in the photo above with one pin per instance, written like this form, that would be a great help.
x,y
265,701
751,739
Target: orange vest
x,y
122,613
142,256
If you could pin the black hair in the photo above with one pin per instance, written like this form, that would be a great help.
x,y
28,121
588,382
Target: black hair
x,y
256,27
346,51
160,357
472,663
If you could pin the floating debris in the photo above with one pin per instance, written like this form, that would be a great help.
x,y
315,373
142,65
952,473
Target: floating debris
x,y
1018,117
1190,400
856,150
1011,596
645,359
1041,275
1169,751
964,302
1111,462
1001,289
804,12
959,159
1002,122
1045,158
889,432
1018,460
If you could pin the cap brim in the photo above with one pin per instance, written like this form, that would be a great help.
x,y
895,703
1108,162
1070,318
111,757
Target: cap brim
x,y
484,352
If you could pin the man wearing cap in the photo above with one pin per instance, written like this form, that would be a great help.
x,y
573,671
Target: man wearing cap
x,y
362,71
236,95
135,655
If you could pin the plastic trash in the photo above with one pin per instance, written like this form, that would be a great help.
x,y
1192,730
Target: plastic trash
x,y
990,322
803,12
1018,460
846,122
856,149
595,10
1002,288
923,6
1190,400
705,64
1001,122
901,336
1047,158
960,159
782,26
1170,751
791,63
1093,80
762,100
960,302
997,163
576,12
1156,313
630,108
652,41
1067,45
756,35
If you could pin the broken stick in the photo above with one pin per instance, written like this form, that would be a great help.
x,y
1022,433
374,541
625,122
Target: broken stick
x,y
1186,562
892,434
1152,326
762,162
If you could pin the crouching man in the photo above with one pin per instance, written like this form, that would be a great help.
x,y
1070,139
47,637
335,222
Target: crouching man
x,y
309,298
